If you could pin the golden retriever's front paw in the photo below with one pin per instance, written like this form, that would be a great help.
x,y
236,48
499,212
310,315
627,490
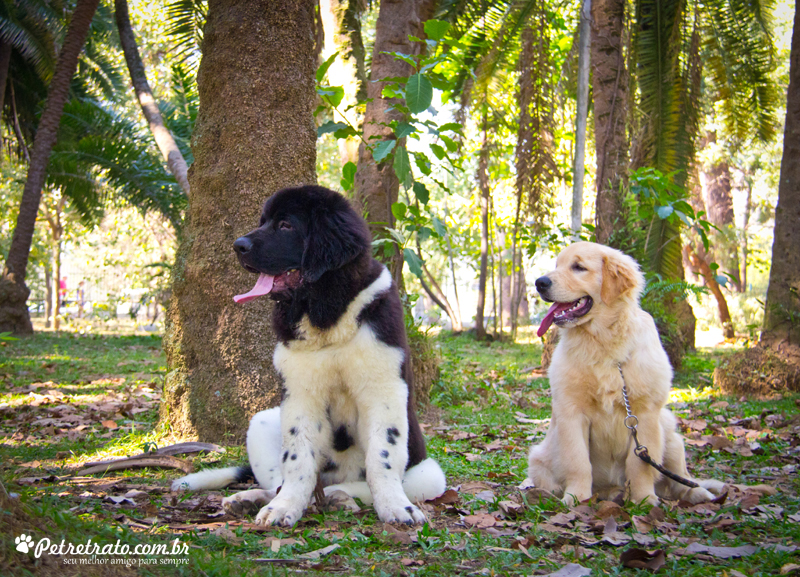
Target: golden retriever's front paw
x,y
647,499
572,498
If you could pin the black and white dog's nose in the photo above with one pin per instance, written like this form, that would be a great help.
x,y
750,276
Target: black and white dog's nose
x,y
543,283
242,245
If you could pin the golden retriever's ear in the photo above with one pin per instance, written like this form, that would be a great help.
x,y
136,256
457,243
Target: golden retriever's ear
x,y
620,275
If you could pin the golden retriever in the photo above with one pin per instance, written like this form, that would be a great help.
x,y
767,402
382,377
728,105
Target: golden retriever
x,y
588,450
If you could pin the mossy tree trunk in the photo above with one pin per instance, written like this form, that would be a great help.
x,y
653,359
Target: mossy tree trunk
x,y
255,134
782,309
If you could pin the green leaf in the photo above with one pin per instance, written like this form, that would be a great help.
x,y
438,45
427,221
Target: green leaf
x,y
421,193
323,68
348,175
449,143
439,226
438,151
330,126
422,163
382,150
419,93
424,233
436,29
404,129
664,211
405,58
399,210
402,165
451,126
333,95
414,262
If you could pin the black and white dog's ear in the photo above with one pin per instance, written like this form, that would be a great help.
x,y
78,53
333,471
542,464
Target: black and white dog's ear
x,y
335,237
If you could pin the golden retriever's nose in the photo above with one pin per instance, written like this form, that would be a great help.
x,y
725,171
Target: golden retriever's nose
x,y
543,283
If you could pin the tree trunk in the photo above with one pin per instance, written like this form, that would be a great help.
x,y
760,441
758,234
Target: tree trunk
x,y
701,267
166,144
255,134
57,271
483,185
745,225
376,185
340,19
610,95
457,308
782,310
48,295
582,108
14,315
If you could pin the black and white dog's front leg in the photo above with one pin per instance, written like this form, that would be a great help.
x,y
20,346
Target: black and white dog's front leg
x,y
383,424
303,424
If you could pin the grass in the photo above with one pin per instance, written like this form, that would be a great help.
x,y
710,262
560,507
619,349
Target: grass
x,y
488,408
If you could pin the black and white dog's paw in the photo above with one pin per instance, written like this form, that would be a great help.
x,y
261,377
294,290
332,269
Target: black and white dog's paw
x,y
400,512
247,502
281,512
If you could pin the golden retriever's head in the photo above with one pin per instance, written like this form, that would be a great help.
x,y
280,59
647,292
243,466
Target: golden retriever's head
x,y
589,279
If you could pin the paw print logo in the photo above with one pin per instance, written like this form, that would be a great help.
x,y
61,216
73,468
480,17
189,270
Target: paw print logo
x,y
24,543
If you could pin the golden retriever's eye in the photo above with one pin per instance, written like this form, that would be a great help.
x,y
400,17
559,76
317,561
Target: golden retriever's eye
x,y
284,225
578,267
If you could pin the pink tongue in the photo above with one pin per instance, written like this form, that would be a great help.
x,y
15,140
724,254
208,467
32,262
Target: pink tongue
x,y
263,286
551,314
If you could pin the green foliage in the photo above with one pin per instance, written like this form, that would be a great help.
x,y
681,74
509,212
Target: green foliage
x,y
99,153
740,59
412,95
187,18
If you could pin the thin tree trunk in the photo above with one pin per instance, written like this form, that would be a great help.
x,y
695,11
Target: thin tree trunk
x,y
166,143
782,308
701,267
582,114
255,135
497,245
376,185
48,294
457,309
342,26
483,185
13,310
610,96
747,208
57,267
436,293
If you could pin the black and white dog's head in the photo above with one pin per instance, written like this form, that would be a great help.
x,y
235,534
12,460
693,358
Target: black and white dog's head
x,y
304,233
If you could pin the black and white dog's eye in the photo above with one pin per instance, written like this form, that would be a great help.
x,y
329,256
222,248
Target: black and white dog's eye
x,y
284,225
578,267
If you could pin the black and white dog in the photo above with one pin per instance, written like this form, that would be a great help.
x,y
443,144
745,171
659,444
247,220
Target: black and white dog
x,y
346,413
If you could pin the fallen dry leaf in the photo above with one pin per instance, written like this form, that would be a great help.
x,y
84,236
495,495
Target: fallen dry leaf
x,y
642,559
109,424
721,552
481,520
318,553
571,570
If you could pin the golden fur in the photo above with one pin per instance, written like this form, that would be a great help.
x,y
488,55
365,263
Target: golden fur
x,y
587,449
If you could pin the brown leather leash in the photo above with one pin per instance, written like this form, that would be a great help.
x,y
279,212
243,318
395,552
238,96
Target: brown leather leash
x,y
632,422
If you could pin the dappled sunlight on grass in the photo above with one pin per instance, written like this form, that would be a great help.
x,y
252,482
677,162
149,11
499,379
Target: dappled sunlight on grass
x,y
692,394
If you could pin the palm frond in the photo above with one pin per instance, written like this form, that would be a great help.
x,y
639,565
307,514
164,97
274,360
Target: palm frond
x,y
32,27
739,53
187,18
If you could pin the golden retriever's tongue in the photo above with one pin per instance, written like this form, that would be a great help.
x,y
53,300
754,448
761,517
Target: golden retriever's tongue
x,y
551,314
263,286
